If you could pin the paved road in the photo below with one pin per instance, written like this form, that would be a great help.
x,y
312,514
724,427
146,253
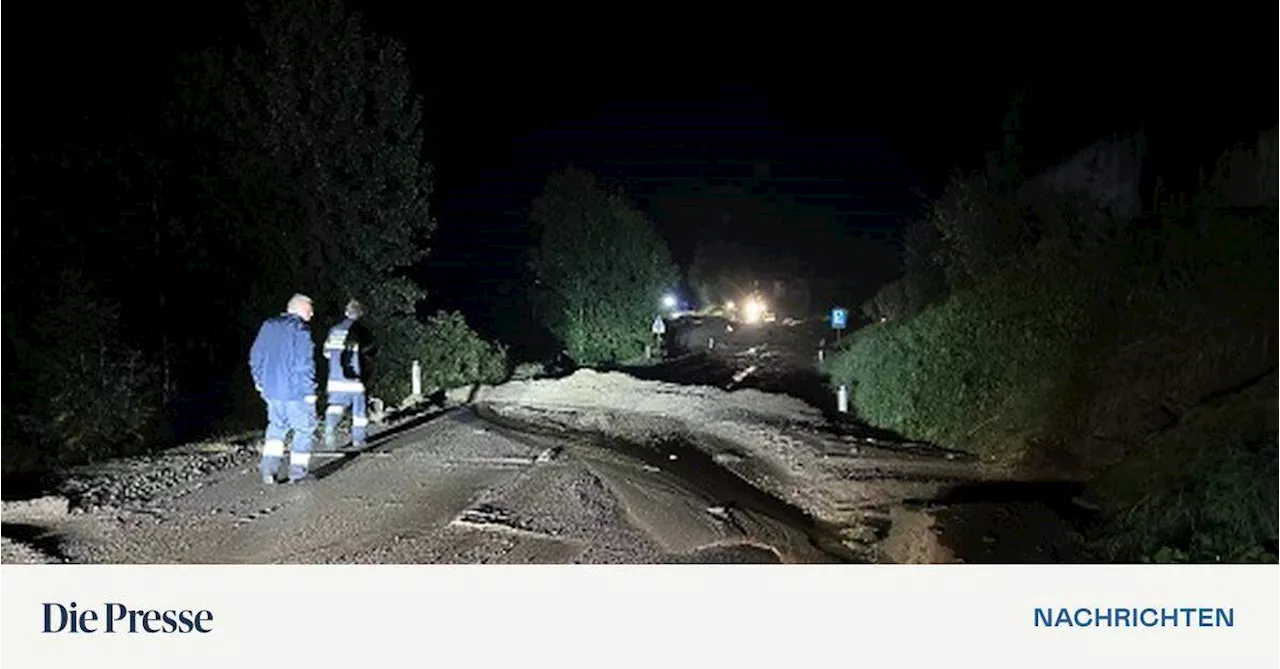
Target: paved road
x,y
452,490
458,488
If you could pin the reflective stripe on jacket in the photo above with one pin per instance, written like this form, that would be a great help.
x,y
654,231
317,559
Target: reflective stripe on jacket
x,y
342,350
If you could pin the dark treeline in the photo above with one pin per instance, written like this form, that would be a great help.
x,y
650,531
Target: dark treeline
x,y
144,245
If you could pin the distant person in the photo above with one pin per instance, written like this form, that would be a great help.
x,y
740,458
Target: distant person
x,y
282,362
343,349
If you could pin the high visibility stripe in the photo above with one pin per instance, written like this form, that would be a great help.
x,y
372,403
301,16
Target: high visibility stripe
x,y
299,459
345,386
359,422
335,409
273,447
336,339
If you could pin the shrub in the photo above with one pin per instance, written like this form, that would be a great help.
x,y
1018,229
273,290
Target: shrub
x,y
981,360
601,268
1203,491
83,392
454,355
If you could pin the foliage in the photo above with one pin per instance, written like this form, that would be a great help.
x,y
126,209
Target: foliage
x,y
319,178
1203,491
453,355
990,352
601,267
1062,354
82,391
289,163
977,229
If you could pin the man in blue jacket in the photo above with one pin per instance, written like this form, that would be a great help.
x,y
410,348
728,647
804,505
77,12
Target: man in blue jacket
x,y
282,361
344,348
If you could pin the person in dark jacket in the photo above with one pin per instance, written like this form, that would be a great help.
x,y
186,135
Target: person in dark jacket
x,y
345,348
282,362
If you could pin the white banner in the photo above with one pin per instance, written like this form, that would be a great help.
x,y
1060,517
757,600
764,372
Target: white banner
x,y
1067,616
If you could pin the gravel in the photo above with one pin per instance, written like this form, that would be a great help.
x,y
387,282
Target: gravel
x,y
135,483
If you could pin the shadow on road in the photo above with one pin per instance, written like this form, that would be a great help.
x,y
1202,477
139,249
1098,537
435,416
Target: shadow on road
x,y
1013,522
379,441
35,537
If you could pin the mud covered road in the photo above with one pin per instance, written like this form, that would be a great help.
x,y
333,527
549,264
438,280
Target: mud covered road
x,y
709,456
454,489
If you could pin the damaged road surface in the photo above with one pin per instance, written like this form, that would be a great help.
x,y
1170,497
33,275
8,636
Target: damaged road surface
x,y
454,490
591,468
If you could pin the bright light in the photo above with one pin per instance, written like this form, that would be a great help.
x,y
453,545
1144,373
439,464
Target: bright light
x,y
753,310
730,305
669,301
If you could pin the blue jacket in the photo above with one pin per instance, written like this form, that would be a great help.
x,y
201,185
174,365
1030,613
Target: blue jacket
x,y
342,349
282,359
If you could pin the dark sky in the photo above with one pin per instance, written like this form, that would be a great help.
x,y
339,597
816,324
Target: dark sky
x,y
724,133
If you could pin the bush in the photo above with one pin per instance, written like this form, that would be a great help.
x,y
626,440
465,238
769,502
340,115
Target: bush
x,y
1177,311
450,353
601,268
82,392
976,229
454,355
1203,491
984,361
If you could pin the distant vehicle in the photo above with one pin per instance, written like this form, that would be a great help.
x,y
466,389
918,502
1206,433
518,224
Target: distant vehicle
x,y
754,310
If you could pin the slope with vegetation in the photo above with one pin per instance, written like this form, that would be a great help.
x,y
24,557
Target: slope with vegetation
x,y
1138,353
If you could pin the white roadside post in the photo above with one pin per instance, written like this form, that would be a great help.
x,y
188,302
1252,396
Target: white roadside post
x,y
417,379
842,399
659,328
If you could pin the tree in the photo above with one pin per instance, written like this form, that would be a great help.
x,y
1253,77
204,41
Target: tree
x,y
601,267
319,182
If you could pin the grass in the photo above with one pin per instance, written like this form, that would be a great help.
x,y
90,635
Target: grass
x,y
1101,362
979,368
1204,490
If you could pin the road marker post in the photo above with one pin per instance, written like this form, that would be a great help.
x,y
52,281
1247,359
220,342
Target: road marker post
x,y
417,379
842,399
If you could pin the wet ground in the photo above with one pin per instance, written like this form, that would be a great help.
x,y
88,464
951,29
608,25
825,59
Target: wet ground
x,y
476,484
454,488
1016,521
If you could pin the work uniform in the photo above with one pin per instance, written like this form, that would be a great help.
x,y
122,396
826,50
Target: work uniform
x,y
346,384
284,370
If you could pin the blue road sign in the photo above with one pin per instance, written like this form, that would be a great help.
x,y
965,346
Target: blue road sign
x,y
839,318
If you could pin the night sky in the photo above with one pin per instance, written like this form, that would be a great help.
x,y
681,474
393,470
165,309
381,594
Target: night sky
x,y
821,158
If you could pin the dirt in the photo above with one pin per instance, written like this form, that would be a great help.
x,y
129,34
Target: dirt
x,y
772,428
715,456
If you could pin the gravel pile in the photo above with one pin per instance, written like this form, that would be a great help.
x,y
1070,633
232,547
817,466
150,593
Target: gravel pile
x,y
134,482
